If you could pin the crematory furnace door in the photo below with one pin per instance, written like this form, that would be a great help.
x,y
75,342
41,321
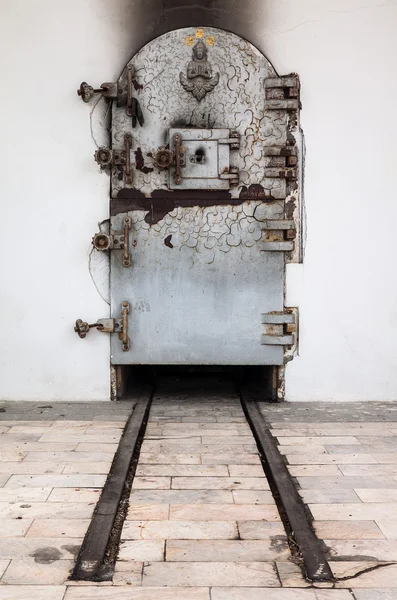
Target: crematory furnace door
x,y
202,160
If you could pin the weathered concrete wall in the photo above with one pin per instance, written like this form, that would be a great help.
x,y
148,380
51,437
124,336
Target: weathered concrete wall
x,y
52,195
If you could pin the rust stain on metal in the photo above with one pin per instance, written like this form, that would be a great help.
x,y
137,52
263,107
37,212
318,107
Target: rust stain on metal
x,y
290,206
162,202
255,192
140,162
137,86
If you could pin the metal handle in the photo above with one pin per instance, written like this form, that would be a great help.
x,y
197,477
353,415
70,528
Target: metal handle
x,y
123,335
129,91
127,149
126,246
82,327
178,159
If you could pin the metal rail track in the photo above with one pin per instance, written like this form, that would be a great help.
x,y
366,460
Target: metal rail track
x,y
293,512
97,556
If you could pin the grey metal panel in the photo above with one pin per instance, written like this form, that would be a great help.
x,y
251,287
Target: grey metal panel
x,y
196,307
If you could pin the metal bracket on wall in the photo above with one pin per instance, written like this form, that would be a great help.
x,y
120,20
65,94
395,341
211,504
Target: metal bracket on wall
x,y
282,93
122,92
119,326
106,157
278,235
281,328
115,240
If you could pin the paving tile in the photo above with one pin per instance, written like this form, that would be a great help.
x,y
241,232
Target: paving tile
x,y
252,497
182,530
316,470
345,482
374,450
83,447
3,566
209,432
42,549
225,512
127,573
333,595
365,511
314,440
246,470
291,576
168,458
220,483
348,530
58,528
329,496
149,512
143,550
181,497
381,577
261,530
326,459
259,593
365,470
68,457
373,550
11,528
388,527
180,447
387,458
29,572
74,495
86,438
90,468
33,510
229,440
294,450
29,468
371,495
210,574
151,483
12,456
25,447
230,458
32,592
24,494
378,594
130,593
61,481
225,551
182,470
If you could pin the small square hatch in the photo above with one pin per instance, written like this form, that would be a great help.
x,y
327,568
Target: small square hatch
x,y
202,159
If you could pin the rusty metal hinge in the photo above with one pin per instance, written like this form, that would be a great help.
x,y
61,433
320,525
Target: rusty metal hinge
x,y
122,92
115,240
281,329
106,157
119,326
282,93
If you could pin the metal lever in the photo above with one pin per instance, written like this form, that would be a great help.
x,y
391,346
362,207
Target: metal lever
x,y
108,90
119,326
179,158
115,240
105,157
82,327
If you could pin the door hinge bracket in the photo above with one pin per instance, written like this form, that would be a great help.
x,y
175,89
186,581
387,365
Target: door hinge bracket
x,y
107,157
119,326
122,92
281,329
115,240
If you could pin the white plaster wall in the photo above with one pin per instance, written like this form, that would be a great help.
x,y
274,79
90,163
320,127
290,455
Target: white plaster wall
x,y
52,194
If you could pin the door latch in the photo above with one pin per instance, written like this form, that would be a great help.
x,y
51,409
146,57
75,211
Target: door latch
x,y
122,92
115,240
106,157
119,326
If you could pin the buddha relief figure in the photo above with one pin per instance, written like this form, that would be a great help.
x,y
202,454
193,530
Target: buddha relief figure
x,y
199,79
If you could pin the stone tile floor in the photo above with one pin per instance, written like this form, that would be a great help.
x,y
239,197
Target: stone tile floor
x,y
202,523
